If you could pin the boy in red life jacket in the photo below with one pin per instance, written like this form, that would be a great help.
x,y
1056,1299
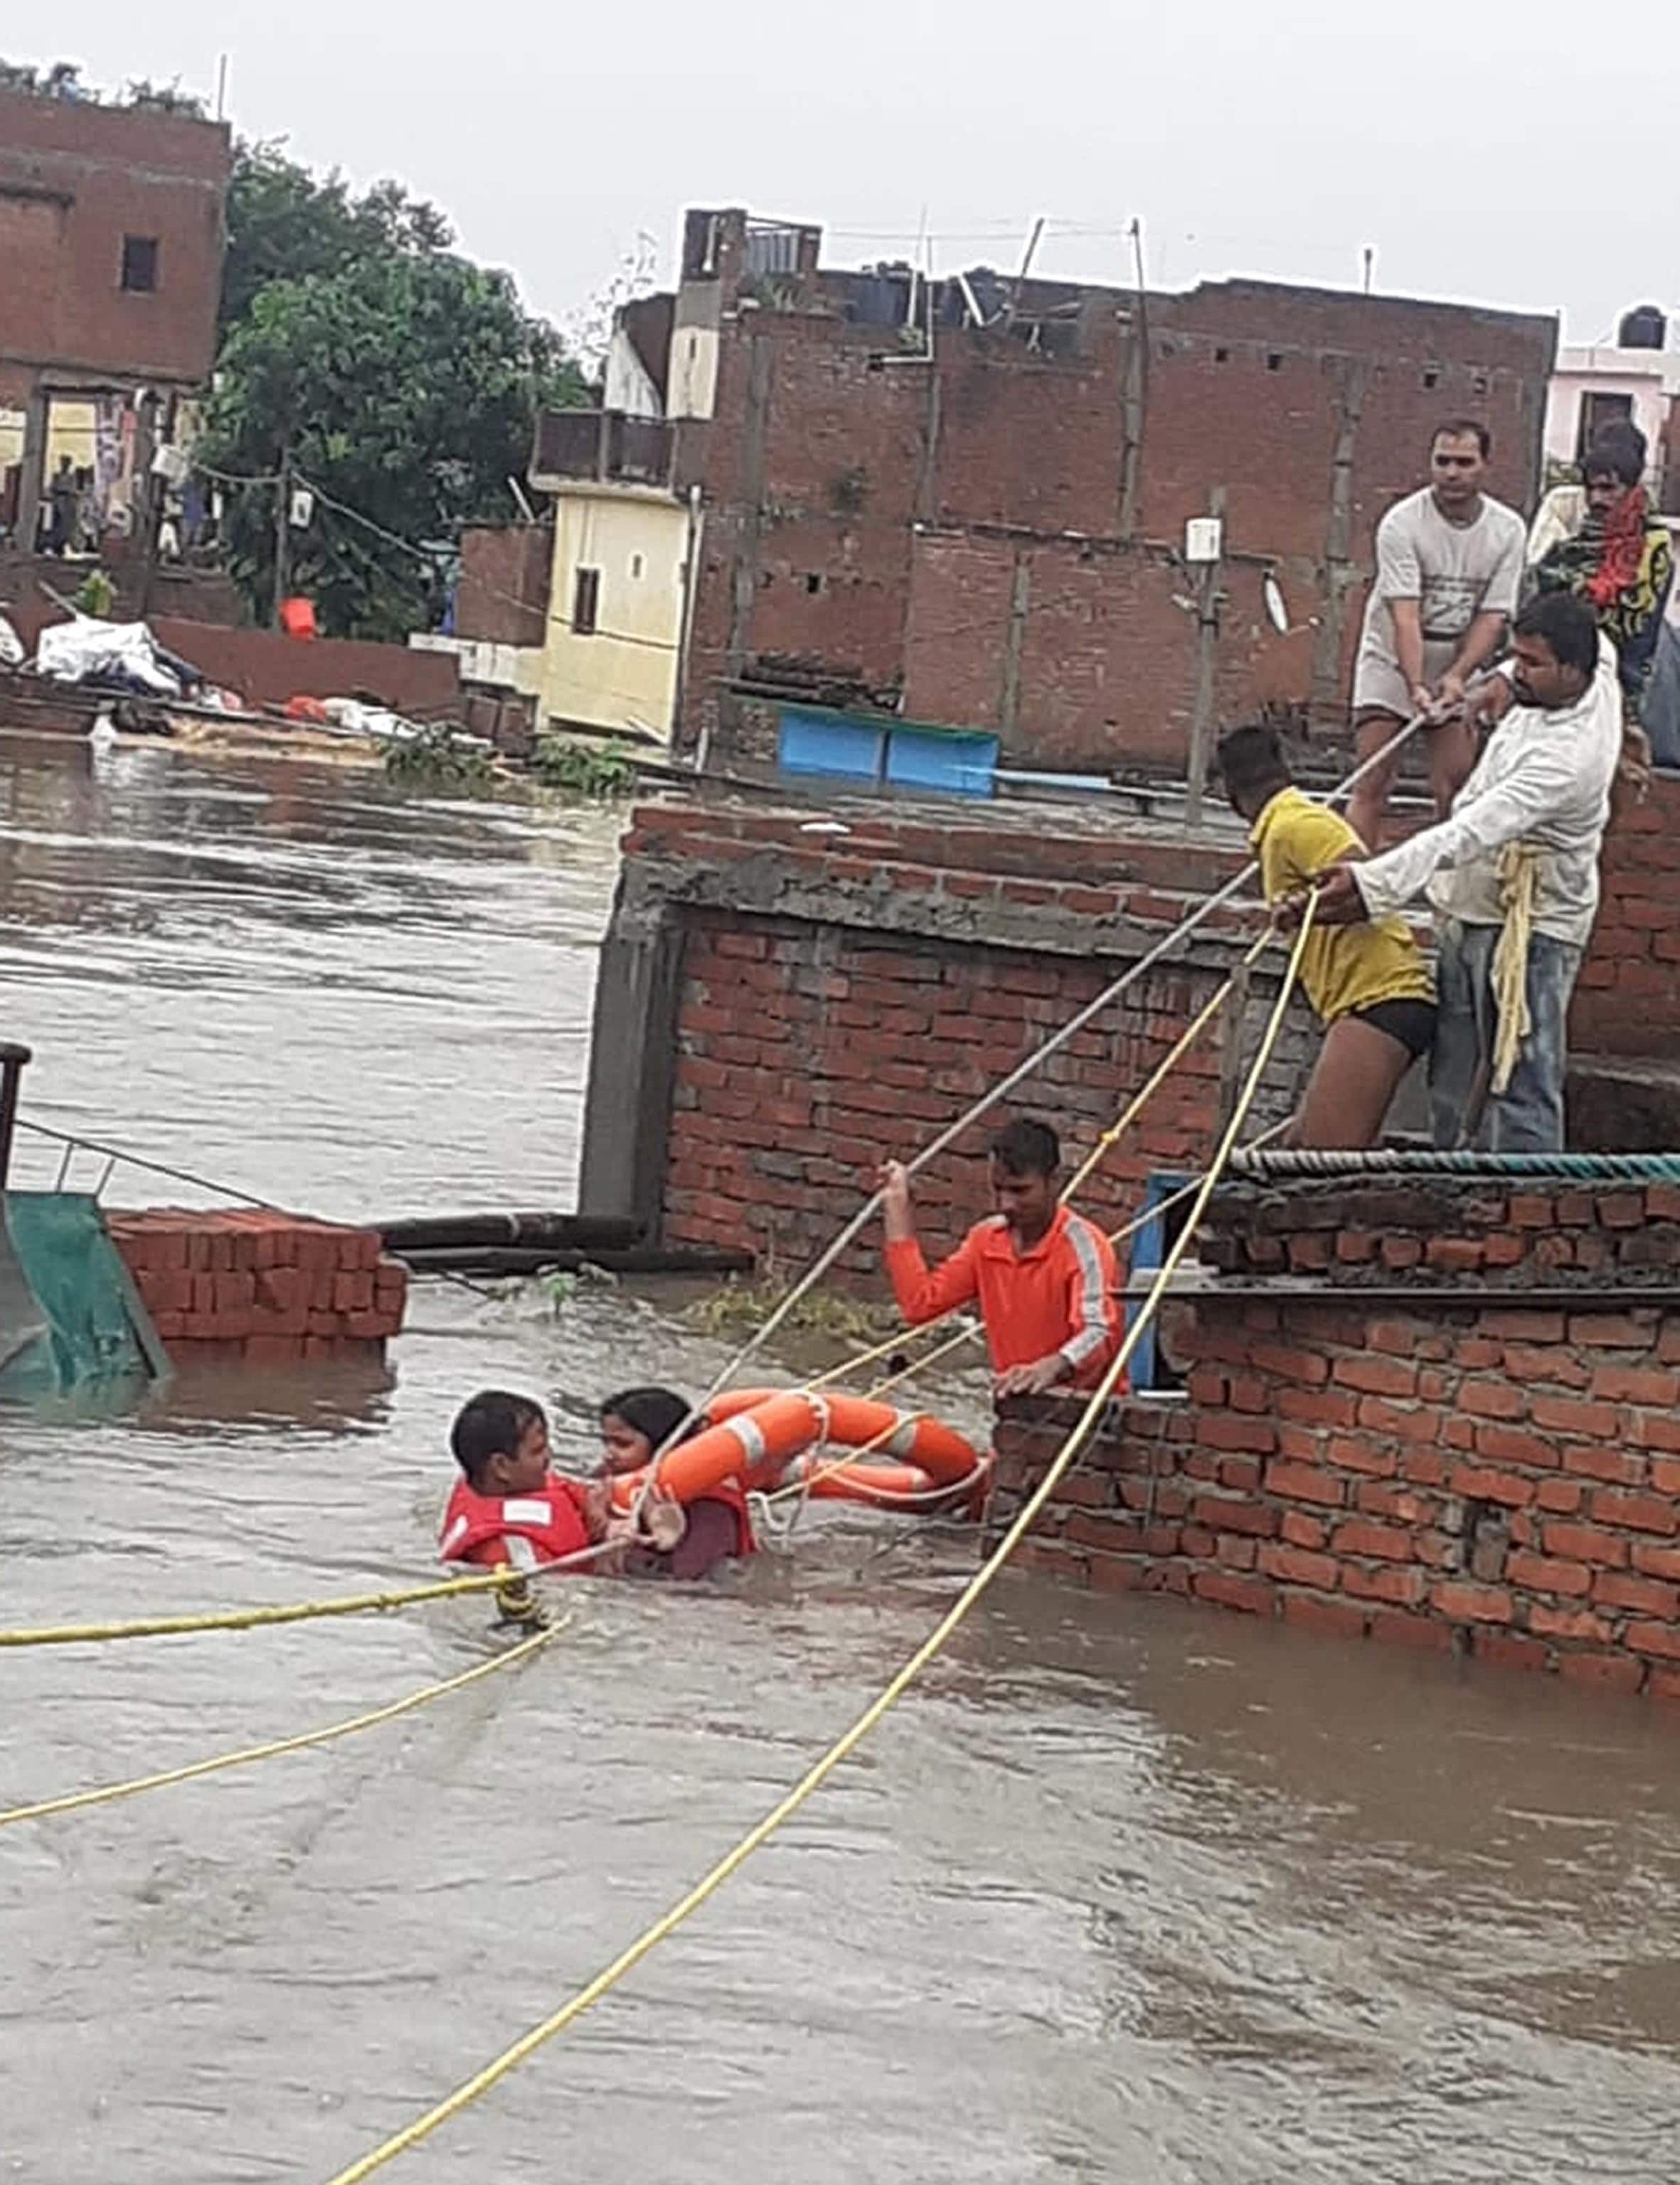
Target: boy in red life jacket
x,y
508,1507
1044,1277
634,1424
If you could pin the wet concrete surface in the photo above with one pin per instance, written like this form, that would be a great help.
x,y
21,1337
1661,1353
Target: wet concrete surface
x,y
1126,1890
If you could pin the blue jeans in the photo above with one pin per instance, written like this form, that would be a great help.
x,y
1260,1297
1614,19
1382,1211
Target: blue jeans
x,y
1528,1116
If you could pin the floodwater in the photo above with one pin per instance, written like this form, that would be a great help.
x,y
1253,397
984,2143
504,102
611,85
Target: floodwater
x,y
1124,1891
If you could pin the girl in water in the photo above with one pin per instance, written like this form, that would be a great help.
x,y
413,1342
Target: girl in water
x,y
634,1424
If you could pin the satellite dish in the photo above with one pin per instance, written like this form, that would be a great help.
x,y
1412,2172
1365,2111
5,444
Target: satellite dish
x,y
1276,612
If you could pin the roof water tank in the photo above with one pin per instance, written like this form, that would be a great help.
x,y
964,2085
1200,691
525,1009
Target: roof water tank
x,y
1644,327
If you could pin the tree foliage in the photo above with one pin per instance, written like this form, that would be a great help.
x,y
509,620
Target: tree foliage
x,y
285,223
398,379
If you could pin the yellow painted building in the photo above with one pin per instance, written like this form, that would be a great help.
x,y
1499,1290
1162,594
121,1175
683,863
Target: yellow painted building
x,y
617,606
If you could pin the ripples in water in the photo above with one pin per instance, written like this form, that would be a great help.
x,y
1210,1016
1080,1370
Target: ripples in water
x,y
1124,1891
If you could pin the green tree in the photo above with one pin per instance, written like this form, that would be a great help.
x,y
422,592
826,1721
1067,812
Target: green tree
x,y
285,223
404,385
395,376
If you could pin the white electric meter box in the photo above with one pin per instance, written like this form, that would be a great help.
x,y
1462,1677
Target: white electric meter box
x,y
1203,539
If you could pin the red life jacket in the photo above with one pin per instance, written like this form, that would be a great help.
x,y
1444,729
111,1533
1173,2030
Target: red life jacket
x,y
551,1521
731,1494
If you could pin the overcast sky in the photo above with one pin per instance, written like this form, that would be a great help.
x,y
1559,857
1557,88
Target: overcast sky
x,y
1487,151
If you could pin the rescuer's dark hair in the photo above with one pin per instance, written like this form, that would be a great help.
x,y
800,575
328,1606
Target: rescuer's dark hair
x,y
1567,624
1027,1147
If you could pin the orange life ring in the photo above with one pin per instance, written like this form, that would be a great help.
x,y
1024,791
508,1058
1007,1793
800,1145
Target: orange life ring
x,y
760,1438
904,1487
941,1454
750,1443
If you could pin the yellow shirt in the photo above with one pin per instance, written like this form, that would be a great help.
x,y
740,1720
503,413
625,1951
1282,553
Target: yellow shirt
x,y
1344,967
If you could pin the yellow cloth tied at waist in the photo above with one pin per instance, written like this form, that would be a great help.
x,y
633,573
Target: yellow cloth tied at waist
x,y
1519,869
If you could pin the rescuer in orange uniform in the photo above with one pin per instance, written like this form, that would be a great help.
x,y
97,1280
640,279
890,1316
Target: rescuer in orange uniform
x,y
1045,1278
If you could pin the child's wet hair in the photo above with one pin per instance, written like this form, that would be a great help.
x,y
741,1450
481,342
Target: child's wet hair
x,y
492,1423
651,1411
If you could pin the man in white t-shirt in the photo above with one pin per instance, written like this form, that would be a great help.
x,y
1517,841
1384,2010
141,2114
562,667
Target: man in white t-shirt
x,y
1450,566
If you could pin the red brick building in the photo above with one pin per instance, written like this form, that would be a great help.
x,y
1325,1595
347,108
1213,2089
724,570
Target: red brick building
x,y
966,501
111,229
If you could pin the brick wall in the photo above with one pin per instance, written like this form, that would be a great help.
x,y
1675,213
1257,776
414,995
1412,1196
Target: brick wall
x,y
1435,1233
869,514
269,1288
266,668
829,999
74,180
834,1001
1627,1002
1500,1477
188,595
505,571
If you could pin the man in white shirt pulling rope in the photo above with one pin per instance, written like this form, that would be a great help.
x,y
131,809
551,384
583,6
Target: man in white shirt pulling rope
x,y
1513,876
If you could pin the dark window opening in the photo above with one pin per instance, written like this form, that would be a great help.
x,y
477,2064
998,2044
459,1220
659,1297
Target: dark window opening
x,y
1598,411
139,265
1431,377
1275,360
585,602
813,582
1221,356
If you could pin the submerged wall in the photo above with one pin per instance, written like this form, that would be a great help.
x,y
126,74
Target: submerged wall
x,y
1444,1417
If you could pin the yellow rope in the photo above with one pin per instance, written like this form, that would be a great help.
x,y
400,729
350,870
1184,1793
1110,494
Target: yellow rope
x,y
1162,1070
482,2082
77,1800
251,1619
1519,869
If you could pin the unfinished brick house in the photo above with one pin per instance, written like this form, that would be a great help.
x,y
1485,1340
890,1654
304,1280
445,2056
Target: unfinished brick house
x,y
111,231
965,501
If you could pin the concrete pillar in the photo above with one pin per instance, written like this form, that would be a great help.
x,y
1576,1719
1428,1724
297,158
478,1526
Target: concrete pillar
x,y
632,1065
38,416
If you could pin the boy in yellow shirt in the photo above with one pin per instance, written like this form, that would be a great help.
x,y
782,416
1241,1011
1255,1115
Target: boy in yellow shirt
x,y
1369,983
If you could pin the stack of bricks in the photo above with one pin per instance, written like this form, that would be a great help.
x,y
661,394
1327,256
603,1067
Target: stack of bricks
x,y
266,1287
1496,1478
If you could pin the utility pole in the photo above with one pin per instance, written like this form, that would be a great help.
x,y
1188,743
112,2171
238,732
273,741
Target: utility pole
x,y
1208,598
282,533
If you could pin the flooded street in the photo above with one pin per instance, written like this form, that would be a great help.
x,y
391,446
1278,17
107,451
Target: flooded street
x,y
1125,1890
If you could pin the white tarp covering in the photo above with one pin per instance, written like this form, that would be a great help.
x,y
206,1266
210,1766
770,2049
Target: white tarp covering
x,y
85,650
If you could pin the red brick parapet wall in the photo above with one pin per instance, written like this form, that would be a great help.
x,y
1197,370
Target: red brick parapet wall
x,y
1486,1471
793,1008
266,1287
1445,1234
782,1005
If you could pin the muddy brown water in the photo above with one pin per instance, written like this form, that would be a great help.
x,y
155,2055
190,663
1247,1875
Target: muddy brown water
x,y
1124,1891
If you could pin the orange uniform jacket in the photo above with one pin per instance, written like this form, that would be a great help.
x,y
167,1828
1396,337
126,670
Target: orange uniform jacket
x,y
1059,1296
